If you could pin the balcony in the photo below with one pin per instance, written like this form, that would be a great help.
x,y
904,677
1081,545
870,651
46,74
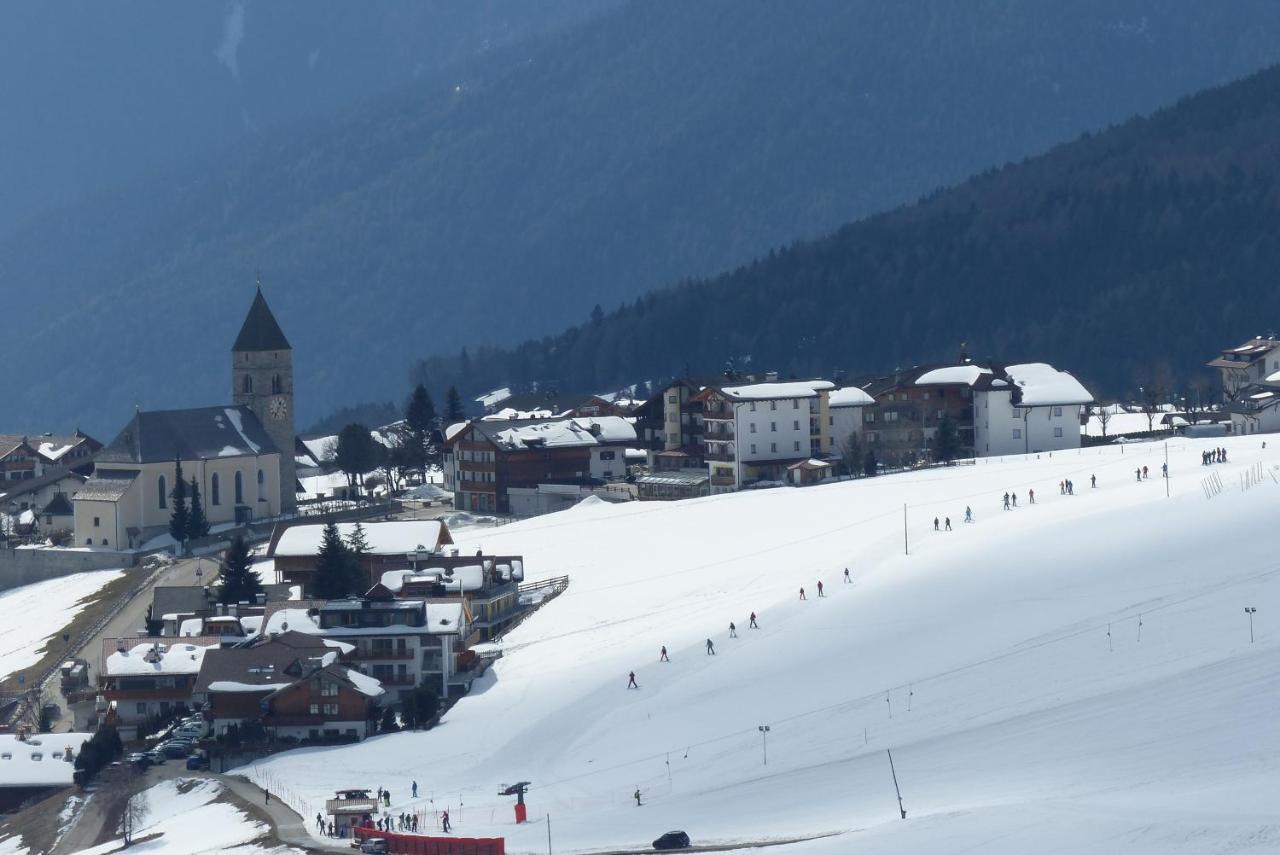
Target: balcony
x,y
370,654
719,431
719,452
394,679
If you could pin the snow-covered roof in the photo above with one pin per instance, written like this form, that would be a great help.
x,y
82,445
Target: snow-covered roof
x,y
191,626
297,620
444,618
966,374
1043,385
394,580
233,686
251,624
167,659
770,391
32,763
811,463
563,433
454,429
849,396
469,576
364,684
384,538
509,414
497,396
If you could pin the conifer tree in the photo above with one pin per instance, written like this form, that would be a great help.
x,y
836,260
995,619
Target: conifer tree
x,y
453,412
419,422
153,625
358,542
946,443
239,580
336,569
197,522
178,517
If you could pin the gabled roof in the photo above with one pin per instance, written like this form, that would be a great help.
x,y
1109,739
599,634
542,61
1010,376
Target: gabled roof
x,y
158,436
58,506
260,330
106,485
13,489
268,664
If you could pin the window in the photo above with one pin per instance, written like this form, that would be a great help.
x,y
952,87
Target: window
x,y
104,541
753,427
926,396
795,425
671,399
773,405
607,455
797,445
164,493
331,709
870,417
97,521
246,385
795,403
1017,433
239,488
773,426
315,709
831,421
276,386
753,448
88,541
1057,411
215,495
262,486
1057,432
773,446
328,690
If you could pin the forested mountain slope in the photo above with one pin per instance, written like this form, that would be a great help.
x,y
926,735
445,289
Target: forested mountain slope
x,y
512,193
1129,257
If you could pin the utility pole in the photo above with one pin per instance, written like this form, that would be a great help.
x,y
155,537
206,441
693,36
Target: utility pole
x,y
1250,611
764,741
1166,468
896,789
548,834
905,550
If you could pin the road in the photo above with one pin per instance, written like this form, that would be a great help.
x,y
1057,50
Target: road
x,y
128,623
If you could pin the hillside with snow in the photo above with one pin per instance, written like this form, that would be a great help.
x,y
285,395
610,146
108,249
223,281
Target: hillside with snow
x,y
1074,675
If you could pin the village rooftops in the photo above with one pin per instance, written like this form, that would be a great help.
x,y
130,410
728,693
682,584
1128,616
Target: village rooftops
x,y
400,537
40,760
776,390
107,485
162,436
264,666
1244,355
1034,384
849,396
14,489
157,656
558,433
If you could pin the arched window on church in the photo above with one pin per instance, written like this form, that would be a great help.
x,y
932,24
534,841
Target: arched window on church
x,y
215,495
239,488
276,386
262,486
164,493
246,385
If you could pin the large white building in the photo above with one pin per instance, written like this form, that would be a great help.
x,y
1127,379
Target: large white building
x,y
1034,407
1250,374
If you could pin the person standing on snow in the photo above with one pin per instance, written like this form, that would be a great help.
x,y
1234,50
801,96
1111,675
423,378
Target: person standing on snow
x,y
711,648
444,821
1031,496
1093,481
847,580
802,596
631,681
663,656
1164,469
1015,499
820,594
948,524
935,523
1006,501
753,624
733,630
968,514
636,795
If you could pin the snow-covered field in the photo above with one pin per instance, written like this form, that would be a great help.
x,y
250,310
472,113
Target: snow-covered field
x,y
1071,676
35,613
189,820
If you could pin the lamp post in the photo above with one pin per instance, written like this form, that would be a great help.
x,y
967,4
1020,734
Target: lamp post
x,y
1250,611
764,741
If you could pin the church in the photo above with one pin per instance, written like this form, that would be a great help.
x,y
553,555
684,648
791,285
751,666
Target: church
x,y
241,455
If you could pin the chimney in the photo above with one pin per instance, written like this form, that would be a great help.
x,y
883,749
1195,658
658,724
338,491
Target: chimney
x,y
771,377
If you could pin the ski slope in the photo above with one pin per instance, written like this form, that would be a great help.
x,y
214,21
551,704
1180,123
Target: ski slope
x,y
982,659
35,613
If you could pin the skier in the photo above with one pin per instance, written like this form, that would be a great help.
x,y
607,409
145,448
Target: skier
x,y
415,789
1062,488
1071,487
663,656
1031,496
1015,500
820,594
1093,481
948,524
711,648
753,624
637,796
847,580
444,821
386,797
320,822
802,596
733,630
935,523
968,514
1164,470
1138,473
1144,472
631,681
1006,501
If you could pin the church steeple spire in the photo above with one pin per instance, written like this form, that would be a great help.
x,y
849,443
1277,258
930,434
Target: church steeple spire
x,y
260,330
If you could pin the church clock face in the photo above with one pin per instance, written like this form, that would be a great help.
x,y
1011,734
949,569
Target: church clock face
x,y
278,408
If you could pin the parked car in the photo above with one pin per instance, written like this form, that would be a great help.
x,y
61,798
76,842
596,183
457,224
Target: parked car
x,y
139,759
195,762
672,840
155,756
175,749
374,846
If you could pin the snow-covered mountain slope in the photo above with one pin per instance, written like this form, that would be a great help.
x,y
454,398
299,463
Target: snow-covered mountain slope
x,y
982,659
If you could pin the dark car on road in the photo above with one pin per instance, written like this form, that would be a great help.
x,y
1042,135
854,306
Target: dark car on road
x,y
672,840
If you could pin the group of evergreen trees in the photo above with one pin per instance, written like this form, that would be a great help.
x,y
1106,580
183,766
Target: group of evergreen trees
x,y
101,749
187,520
339,564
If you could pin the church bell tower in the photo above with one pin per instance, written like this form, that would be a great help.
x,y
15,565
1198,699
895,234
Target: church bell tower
x,y
262,380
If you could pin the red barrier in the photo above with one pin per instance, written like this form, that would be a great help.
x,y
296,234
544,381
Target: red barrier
x,y
418,844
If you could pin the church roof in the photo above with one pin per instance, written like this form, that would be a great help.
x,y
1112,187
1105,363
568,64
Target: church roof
x,y
205,432
260,330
